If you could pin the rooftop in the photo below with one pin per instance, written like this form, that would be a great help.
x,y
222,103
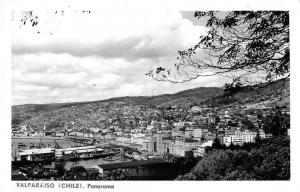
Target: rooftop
x,y
36,151
78,148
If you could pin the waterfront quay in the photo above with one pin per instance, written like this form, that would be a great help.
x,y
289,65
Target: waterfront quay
x,y
57,149
97,162
140,151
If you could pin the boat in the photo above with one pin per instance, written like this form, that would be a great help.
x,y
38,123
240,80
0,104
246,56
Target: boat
x,y
41,145
21,145
85,156
31,145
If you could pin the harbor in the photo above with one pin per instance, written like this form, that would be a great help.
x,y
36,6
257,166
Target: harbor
x,y
46,150
65,159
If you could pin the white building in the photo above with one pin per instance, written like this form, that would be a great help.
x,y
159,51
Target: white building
x,y
146,145
181,146
189,133
240,138
262,134
248,136
200,151
197,133
123,140
177,134
138,140
227,140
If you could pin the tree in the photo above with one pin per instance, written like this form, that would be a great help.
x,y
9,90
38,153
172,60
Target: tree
x,y
273,123
217,144
249,125
34,19
252,47
269,160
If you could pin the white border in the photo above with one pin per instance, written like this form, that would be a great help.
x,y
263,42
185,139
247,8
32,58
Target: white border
x,y
5,91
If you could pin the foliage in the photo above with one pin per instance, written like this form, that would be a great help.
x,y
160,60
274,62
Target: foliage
x,y
217,144
252,47
269,160
232,88
15,121
273,123
34,19
249,125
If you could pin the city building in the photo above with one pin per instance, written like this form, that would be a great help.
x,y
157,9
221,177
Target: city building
x,y
156,143
189,133
143,169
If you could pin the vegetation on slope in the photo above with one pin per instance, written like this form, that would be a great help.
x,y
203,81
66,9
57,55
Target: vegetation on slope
x,y
266,160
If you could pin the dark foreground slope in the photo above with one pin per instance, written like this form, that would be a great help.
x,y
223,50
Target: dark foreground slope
x,y
267,159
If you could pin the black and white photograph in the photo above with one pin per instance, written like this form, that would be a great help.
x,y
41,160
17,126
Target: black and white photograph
x,y
116,93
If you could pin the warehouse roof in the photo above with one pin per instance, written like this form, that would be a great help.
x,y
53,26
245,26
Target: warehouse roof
x,y
80,148
36,151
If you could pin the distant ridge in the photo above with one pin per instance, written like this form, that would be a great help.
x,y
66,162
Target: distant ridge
x,y
64,113
131,99
96,113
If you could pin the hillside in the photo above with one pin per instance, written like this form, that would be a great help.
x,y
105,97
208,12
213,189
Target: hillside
x,y
274,94
201,93
128,109
96,113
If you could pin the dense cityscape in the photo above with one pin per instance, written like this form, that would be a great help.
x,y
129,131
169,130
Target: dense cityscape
x,y
152,139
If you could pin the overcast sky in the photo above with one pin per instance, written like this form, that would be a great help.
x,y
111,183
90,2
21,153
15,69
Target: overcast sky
x,y
75,56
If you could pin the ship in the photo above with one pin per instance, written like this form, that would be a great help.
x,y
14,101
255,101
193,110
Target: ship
x,y
21,145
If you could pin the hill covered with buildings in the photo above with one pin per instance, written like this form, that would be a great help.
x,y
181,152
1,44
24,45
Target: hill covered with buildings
x,y
127,112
